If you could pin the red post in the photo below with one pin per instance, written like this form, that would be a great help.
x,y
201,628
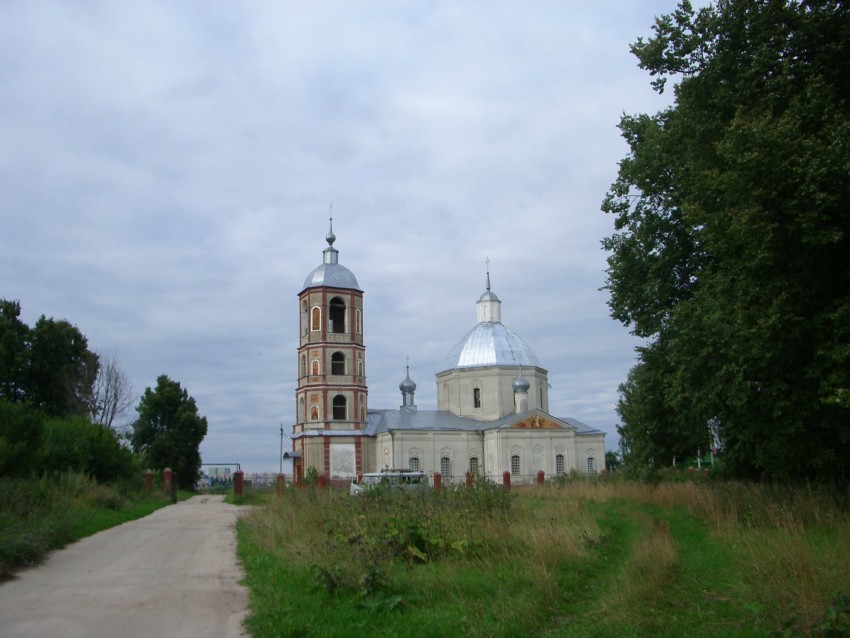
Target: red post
x,y
281,482
470,479
438,481
238,482
541,477
322,481
149,481
506,479
167,478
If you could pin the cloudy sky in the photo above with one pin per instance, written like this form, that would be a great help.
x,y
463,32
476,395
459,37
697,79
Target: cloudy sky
x,y
167,169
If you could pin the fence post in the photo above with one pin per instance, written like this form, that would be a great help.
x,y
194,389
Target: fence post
x,y
321,481
438,481
149,481
238,482
506,479
541,477
470,479
167,479
281,482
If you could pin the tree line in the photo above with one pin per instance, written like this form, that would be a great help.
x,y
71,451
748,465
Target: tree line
x,y
60,403
731,253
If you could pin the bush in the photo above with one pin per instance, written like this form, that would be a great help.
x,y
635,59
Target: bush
x,y
20,439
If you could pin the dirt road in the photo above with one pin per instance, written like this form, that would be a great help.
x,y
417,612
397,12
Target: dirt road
x,y
171,574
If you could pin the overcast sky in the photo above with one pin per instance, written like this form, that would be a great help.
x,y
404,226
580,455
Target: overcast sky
x,y
167,169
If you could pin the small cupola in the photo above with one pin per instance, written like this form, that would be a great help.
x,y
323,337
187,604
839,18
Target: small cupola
x,y
408,389
520,386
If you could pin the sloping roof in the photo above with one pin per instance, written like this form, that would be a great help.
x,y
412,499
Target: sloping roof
x,y
380,421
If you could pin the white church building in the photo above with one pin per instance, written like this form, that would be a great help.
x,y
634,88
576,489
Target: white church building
x,y
492,399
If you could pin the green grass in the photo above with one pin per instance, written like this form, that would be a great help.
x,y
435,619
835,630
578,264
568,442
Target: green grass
x,y
584,559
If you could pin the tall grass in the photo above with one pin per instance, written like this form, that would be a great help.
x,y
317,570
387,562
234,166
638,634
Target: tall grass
x,y
584,558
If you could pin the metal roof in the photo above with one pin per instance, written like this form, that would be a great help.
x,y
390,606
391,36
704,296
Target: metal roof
x,y
332,276
490,343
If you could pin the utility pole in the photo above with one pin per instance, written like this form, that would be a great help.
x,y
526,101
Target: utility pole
x,y
281,449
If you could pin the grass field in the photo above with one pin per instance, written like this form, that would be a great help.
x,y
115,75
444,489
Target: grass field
x,y
587,558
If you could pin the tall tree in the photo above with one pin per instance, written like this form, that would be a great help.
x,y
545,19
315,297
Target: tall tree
x,y
112,394
62,369
14,351
168,431
731,252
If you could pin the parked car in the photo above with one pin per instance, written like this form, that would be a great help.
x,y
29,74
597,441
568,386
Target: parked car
x,y
391,481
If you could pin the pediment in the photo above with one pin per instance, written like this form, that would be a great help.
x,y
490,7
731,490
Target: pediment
x,y
537,422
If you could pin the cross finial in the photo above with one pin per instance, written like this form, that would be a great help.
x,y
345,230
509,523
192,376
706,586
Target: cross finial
x,y
487,261
331,237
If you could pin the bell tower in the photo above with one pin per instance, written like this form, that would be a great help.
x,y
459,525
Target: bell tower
x,y
331,392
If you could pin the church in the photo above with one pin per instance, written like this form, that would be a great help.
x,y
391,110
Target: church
x,y
492,399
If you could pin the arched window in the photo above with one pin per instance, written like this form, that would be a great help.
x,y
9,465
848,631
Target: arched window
x,y
304,316
591,465
301,409
473,464
413,464
316,318
363,413
358,321
336,310
303,365
559,464
314,413
476,397
446,467
315,368
360,368
339,408
337,363
515,468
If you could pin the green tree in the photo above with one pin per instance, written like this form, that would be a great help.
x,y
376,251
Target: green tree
x,y
14,351
168,431
731,253
62,370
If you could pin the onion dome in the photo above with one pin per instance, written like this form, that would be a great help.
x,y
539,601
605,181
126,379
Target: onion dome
x,y
520,384
331,273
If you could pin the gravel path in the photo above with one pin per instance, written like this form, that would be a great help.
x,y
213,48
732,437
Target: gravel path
x,y
172,574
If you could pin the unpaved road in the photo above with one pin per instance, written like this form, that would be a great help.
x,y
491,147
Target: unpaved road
x,y
172,574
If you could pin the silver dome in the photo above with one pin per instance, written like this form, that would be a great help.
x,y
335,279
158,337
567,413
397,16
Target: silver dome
x,y
520,383
491,344
332,276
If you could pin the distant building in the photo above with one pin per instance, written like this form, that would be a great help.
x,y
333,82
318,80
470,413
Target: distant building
x,y
492,399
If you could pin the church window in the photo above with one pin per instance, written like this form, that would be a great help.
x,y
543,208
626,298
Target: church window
x,y
446,467
363,413
315,367
413,464
301,414
316,318
515,465
336,311
591,465
303,365
559,464
339,408
360,368
476,397
359,321
473,464
337,363
314,413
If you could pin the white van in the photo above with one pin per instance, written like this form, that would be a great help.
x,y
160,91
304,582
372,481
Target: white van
x,y
391,480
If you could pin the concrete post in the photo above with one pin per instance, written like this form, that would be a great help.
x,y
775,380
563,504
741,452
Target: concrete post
x,y
281,482
506,479
438,481
238,482
149,481
541,477
167,479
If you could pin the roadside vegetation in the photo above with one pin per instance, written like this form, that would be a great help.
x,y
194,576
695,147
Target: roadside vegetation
x,y
579,558
42,514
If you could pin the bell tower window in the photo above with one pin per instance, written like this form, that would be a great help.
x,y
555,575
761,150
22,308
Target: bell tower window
x,y
476,397
338,363
336,311
339,413
316,318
